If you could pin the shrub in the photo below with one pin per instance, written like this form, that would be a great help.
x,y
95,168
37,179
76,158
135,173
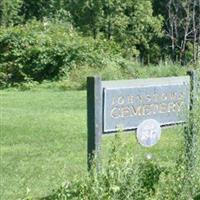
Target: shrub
x,y
47,51
121,179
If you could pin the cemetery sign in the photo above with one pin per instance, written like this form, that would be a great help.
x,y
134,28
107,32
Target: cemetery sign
x,y
128,103
144,105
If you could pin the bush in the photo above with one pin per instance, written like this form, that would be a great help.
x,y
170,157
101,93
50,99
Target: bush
x,y
128,180
120,179
47,51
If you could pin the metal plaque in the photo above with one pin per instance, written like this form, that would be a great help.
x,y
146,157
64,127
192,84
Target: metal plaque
x,y
129,103
148,133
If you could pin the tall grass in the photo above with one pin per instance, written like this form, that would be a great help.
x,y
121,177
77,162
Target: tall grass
x,y
120,69
123,178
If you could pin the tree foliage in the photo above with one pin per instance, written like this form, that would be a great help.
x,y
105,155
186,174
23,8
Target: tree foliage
x,y
149,30
124,22
10,12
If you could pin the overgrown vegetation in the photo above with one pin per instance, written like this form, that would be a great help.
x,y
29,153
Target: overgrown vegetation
x,y
56,52
148,28
45,40
124,178
37,52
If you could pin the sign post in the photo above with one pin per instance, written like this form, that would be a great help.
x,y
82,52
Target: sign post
x,y
190,138
94,118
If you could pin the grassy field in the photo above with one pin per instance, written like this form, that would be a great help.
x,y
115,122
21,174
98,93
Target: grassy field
x,y
43,141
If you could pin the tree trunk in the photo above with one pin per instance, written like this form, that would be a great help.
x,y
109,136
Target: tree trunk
x,y
194,31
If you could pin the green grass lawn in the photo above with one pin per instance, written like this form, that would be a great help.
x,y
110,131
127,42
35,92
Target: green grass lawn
x,y
43,142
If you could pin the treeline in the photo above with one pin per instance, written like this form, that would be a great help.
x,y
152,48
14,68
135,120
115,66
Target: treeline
x,y
150,29
45,39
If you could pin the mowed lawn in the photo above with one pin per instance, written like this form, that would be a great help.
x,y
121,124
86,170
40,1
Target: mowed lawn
x,y
43,137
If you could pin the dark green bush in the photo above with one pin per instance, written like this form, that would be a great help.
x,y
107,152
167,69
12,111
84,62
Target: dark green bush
x,y
47,51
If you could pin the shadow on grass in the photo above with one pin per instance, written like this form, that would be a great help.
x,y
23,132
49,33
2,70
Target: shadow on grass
x,y
51,197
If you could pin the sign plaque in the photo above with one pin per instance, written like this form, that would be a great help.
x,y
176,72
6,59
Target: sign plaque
x,y
148,133
129,103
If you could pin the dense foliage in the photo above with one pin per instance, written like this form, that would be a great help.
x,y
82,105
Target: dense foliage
x,y
55,51
48,51
67,33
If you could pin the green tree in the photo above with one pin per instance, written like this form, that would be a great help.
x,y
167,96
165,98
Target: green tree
x,y
183,29
87,15
143,27
130,26
36,9
134,24
9,12
124,22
